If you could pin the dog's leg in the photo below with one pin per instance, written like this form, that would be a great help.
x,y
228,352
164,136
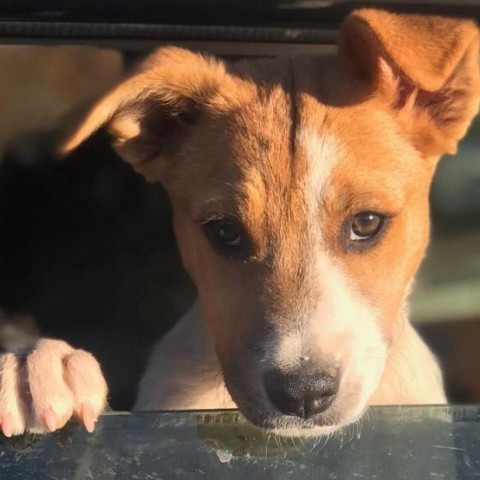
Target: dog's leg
x,y
183,372
412,374
42,390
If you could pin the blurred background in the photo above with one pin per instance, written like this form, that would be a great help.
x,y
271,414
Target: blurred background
x,y
87,252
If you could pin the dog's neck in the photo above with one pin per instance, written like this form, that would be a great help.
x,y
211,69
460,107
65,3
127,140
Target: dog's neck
x,y
405,379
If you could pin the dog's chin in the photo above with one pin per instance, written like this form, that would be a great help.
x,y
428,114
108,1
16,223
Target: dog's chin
x,y
289,426
307,432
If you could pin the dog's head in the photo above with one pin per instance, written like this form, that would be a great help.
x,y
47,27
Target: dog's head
x,y
300,195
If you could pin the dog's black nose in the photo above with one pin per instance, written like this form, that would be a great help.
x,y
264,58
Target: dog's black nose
x,y
301,394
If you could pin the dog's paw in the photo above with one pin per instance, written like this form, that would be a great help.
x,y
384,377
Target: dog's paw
x,y
42,391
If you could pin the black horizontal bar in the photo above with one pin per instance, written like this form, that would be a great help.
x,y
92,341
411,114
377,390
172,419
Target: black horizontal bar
x,y
265,13
172,33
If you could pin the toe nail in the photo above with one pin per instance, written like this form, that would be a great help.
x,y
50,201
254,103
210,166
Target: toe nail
x,y
7,427
50,420
88,418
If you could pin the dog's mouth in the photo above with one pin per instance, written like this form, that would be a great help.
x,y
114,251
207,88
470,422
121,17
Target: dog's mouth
x,y
256,407
290,426
278,422
317,398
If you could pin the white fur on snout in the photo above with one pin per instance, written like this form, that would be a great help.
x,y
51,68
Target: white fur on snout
x,y
339,328
321,152
345,328
342,330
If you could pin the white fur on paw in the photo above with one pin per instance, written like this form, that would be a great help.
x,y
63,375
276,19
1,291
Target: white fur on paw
x,y
43,391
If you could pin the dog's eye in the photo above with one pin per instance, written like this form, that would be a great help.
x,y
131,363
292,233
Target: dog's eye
x,y
366,225
227,236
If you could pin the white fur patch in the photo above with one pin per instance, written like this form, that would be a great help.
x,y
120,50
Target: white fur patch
x,y
341,331
322,152
342,325
343,328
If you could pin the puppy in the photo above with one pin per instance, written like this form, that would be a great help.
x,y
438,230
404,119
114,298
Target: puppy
x,y
299,188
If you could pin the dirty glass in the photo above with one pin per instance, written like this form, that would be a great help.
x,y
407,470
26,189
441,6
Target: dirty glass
x,y
389,443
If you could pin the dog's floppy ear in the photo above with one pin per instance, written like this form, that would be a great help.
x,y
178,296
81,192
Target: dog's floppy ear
x,y
149,113
427,66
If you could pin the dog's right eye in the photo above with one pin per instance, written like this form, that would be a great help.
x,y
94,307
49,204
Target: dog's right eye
x,y
227,236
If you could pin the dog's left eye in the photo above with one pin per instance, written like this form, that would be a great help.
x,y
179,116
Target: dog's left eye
x,y
366,225
227,236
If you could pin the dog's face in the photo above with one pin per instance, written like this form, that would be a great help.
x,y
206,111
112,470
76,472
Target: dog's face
x,y
300,195
302,244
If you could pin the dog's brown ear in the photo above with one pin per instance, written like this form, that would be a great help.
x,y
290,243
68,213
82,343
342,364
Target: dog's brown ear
x,y
148,114
427,66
